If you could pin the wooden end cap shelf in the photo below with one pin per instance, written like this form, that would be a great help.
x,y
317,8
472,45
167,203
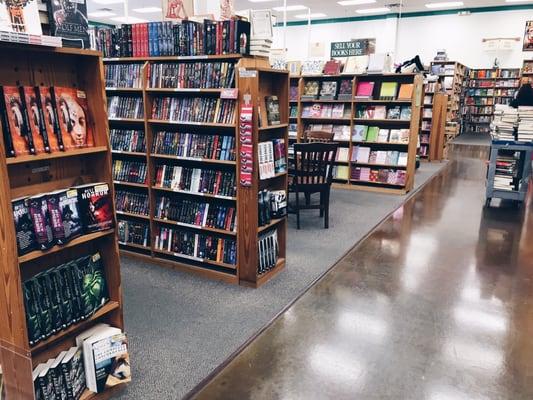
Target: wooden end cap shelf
x,y
55,155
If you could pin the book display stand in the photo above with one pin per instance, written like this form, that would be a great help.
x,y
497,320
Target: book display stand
x,y
195,215
29,175
375,119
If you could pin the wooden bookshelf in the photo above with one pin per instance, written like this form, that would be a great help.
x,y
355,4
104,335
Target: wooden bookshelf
x,y
350,120
486,88
261,81
29,175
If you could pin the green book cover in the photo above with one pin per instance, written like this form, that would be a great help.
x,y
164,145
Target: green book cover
x,y
388,90
372,135
33,316
44,308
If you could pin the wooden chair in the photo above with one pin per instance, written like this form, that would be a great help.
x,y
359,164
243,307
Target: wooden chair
x,y
319,137
313,169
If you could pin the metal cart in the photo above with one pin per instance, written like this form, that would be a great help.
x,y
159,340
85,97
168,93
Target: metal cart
x,y
522,176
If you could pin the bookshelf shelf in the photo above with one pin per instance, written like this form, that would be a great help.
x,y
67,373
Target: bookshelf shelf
x,y
324,101
128,153
134,246
263,82
382,121
272,223
325,119
374,183
382,143
107,308
130,184
378,101
133,215
34,255
395,166
127,120
29,65
121,89
53,156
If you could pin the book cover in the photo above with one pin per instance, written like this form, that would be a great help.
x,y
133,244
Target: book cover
x,y
327,110
26,240
311,89
35,119
93,284
315,111
332,67
372,135
393,112
328,90
272,107
95,205
406,91
19,126
359,133
33,315
68,20
280,161
73,372
383,135
56,220
380,112
38,208
406,113
364,90
345,89
388,90
51,120
363,154
74,118
70,214
22,16
58,380
337,111
356,65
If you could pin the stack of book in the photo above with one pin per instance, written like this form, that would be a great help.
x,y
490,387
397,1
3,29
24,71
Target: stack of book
x,y
506,172
504,123
260,47
268,251
272,159
525,124
272,204
26,38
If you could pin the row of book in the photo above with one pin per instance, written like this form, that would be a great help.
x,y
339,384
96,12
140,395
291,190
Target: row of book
x,y
383,112
494,73
192,145
479,109
320,110
188,38
196,245
130,107
325,90
194,109
44,220
123,75
197,213
272,205
192,75
365,155
129,171
507,168
44,119
196,180
64,295
271,158
132,202
364,133
133,232
354,65
479,101
127,140
384,176
525,124
268,251
99,360
341,133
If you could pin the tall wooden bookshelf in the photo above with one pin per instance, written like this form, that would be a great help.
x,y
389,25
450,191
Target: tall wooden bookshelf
x,y
294,107
260,82
33,174
350,119
486,88
437,137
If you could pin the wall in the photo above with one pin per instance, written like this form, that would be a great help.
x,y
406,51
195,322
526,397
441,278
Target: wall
x,y
460,35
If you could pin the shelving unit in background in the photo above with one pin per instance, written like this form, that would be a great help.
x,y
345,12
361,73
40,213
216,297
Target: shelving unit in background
x,y
266,82
430,88
486,88
30,175
527,71
437,137
294,107
452,74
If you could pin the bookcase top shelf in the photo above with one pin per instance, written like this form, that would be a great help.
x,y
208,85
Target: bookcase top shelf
x,y
174,58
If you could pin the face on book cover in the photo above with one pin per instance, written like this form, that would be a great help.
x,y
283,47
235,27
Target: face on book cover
x,y
73,116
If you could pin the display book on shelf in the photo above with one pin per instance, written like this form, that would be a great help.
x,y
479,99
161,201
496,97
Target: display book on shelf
x,y
184,183
37,256
360,110
486,88
433,123
452,74
527,71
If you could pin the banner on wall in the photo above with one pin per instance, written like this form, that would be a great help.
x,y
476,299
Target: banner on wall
x,y
177,10
356,47
528,36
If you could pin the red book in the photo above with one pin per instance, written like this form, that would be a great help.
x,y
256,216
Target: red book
x,y
19,127
145,39
134,40
36,119
51,120
74,118
231,38
332,67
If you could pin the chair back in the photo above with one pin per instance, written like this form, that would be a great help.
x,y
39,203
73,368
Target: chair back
x,y
319,137
313,165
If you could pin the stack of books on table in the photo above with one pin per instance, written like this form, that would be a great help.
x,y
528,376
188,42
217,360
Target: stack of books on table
x,y
504,123
26,38
260,47
525,124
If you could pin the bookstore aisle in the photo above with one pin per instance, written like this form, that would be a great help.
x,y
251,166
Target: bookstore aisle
x,y
183,326
436,303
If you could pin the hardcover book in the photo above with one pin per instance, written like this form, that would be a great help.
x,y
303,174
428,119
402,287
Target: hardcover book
x,y
38,207
364,90
406,91
359,133
96,207
393,112
405,113
328,90
272,108
68,20
74,118
21,137
388,90
332,67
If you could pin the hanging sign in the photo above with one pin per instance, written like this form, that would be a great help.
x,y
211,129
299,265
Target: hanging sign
x,y
356,47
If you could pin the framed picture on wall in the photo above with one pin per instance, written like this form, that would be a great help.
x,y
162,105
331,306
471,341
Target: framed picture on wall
x,y
528,37
177,10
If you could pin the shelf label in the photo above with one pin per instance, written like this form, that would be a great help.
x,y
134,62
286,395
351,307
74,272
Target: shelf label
x,y
245,73
40,169
229,93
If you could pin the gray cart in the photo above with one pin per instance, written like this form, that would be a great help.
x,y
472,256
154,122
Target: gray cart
x,y
526,149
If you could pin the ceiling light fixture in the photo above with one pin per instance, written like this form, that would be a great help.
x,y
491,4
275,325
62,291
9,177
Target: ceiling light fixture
x,y
129,20
355,2
446,4
312,15
290,8
517,1
373,10
147,10
101,14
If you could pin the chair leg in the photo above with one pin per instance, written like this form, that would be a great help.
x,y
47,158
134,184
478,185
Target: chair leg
x,y
297,210
326,210
307,199
321,204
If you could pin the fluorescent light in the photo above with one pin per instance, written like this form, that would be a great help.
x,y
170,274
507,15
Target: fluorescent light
x,y
147,10
129,20
446,4
101,14
355,2
373,10
290,8
108,1
517,1
312,15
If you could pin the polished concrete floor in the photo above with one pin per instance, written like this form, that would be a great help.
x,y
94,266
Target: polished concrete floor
x,y
436,303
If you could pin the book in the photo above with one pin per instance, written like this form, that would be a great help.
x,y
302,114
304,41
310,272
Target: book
x,y
341,133
36,119
377,63
338,111
383,135
96,208
312,67
356,65
280,160
70,213
51,119
405,113
26,240
372,134
406,91
125,107
294,67
342,154
20,134
191,75
68,20
393,112
272,108
194,109
380,112
38,210
342,172
345,89
74,372
268,251
364,90
327,110
332,67
363,154
359,133
328,90
74,119
23,17
388,90
311,89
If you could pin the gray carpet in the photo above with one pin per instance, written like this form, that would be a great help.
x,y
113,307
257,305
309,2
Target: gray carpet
x,y
472,138
182,326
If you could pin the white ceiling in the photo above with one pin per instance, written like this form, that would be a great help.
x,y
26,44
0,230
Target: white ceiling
x,y
328,7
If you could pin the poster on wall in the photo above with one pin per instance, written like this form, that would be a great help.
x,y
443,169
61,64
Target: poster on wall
x,y
528,37
177,10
